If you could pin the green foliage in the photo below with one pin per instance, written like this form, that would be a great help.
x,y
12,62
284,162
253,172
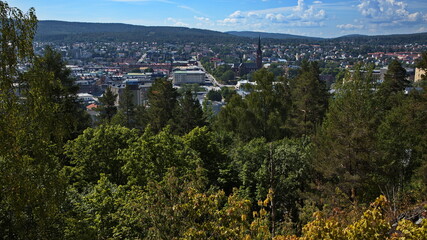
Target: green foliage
x,y
149,157
214,95
127,107
96,152
189,113
107,108
162,100
309,100
213,158
345,144
236,118
261,114
32,189
50,83
91,214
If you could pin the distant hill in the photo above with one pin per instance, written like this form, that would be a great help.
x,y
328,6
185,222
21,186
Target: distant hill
x,y
61,31
420,38
270,35
78,31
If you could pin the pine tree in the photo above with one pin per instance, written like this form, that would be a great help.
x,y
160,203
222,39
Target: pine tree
x,y
390,92
162,100
127,107
69,117
309,100
189,113
269,102
345,144
107,109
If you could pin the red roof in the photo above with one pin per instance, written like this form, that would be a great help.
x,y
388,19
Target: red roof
x,y
92,106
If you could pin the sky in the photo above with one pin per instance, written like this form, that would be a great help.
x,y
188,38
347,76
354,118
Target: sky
x,y
316,18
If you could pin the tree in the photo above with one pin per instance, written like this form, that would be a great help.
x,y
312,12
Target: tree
x,y
214,95
189,114
390,92
269,102
236,118
260,114
395,78
96,152
227,76
127,109
162,100
32,188
62,92
213,158
345,144
151,155
309,100
108,108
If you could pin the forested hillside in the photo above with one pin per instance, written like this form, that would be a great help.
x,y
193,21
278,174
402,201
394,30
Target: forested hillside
x,y
288,161
104,32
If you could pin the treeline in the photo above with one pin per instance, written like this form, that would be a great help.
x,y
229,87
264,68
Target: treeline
x,y
60,31
288,161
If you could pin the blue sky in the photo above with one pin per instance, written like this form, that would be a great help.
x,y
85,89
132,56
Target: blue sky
x,y
319,18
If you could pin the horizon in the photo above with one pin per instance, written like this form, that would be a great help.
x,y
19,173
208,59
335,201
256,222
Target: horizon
x,y
324,19
353,34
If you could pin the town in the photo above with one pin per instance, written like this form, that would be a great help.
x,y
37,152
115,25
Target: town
x,y
206,67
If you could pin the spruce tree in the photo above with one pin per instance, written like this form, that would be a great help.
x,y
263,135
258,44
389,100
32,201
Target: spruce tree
x,y
309,100
390,92
107,109
127,108
189,113
162,100
345,144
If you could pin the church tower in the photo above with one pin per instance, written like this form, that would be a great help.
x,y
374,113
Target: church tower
x,y
259,55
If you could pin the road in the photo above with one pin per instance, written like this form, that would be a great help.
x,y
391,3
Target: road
x,y
210,77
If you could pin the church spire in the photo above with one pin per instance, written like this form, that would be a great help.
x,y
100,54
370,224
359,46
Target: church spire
x,y
259,54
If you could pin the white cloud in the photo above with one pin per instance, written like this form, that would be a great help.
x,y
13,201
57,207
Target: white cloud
x,y
236,14
177,23
203,19
388,11
422,29
317,2
299,15
349,26
164,1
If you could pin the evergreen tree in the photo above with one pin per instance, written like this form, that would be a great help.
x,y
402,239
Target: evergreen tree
x,y
395,78
162,100
345,145
309,100
62,91
126,110
269,102
189,113
262,113
108,108
236,118
390,92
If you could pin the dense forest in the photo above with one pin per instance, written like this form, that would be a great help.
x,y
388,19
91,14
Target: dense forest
x,y
60,31
288,161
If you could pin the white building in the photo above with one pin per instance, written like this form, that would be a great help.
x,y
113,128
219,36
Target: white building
x,y
188,77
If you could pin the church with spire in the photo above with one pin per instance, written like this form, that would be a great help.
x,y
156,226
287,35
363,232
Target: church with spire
x,y
243,68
